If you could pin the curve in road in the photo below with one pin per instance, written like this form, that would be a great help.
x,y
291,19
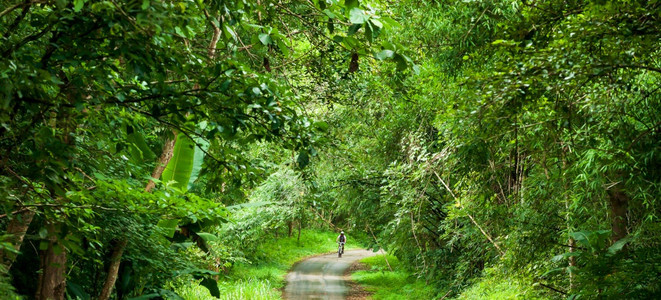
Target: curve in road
x,y
322,277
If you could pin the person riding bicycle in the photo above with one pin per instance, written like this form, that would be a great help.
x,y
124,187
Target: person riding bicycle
x,y
341,239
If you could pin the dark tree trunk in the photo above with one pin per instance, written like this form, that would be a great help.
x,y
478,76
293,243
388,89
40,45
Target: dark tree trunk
x,y
290,228
113,269
353,65
298,239
619,202
52,279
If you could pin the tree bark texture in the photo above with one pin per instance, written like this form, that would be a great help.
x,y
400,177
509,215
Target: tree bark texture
x,y
16,230
168,151
619,202
53,261
113,269
52,280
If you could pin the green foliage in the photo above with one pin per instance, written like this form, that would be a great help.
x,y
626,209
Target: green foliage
x,y
7,291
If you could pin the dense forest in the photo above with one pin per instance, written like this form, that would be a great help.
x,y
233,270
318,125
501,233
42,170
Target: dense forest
x,y
505,148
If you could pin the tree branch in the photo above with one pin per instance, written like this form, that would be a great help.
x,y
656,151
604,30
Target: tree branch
x,y
469,216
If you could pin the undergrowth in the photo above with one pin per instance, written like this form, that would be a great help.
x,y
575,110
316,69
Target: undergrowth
x,y
401,284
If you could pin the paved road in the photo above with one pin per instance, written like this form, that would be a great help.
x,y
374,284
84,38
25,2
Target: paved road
x,y
322,277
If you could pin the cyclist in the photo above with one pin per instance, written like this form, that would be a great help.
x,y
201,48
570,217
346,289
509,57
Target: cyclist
x,y
341,239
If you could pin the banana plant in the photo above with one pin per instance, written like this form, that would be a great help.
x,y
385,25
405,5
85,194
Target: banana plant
x,y
186,162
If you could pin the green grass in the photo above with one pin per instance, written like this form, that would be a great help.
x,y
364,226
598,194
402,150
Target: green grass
x,y
229,290
395,284
264,278
494,285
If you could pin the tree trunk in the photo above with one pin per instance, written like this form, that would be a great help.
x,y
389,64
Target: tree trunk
x,y
290,228
572,262
53,261
52,280
118,250
113,269
568,222
16,230
168,151
298,239
619,202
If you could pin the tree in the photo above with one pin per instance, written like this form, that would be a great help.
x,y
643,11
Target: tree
x,y
86,82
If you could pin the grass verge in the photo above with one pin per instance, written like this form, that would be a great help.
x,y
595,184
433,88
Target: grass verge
x,y
395,284
494,285
265,277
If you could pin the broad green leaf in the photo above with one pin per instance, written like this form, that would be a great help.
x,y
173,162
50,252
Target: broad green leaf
x,y
330,14
617,246
198,159
375,29
181,246
265,39
140,152
207,237
358,16
180,167
385,54
283,47
353,29
229,33
78,5
169,226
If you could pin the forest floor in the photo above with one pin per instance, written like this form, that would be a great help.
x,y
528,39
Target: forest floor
x,y
325,277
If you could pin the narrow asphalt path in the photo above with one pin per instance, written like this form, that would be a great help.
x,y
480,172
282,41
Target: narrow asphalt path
x,y
322,277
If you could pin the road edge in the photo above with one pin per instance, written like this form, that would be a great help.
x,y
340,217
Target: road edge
x,y
284,277
356,291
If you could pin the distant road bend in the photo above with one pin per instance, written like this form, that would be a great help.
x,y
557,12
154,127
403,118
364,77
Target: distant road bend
x,y
322,277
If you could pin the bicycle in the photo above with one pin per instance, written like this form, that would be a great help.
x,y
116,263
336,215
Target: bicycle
x,y
340,249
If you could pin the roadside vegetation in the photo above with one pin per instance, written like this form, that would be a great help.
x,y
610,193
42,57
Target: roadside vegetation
x,y
387,284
